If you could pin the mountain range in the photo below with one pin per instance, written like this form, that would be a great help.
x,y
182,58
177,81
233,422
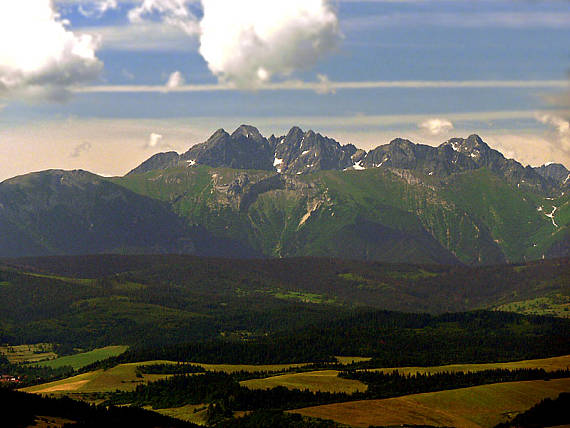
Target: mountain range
x,y
300,194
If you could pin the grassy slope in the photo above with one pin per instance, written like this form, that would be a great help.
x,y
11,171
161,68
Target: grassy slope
x,y
321,380
548,364
85,358
480,406
123,377
476,215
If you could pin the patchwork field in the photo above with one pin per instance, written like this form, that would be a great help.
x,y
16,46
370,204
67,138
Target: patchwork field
x,y
124,377
32,353
85,358
322,380
476,407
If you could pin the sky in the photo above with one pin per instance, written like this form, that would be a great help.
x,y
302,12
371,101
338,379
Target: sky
x,y
102,85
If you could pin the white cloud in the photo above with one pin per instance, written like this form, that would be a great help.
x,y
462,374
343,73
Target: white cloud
x,y
175,80
38,55
173,12
247,42
561,128
436,126
325,85
154,140
97,8
144,36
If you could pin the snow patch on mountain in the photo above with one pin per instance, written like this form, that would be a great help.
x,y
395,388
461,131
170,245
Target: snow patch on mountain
x,y
551,216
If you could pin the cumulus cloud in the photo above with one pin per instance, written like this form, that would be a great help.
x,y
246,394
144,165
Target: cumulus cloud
x,y
560,126
156,141
39,56
97,8
173,12
175,80
436,126
80,148
247,42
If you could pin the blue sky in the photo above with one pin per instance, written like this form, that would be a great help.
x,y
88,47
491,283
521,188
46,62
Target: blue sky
x,y
523,43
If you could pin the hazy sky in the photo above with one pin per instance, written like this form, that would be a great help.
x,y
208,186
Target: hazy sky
x,y
102,85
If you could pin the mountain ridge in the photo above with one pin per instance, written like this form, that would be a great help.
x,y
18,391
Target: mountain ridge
x,y
302,194
299,152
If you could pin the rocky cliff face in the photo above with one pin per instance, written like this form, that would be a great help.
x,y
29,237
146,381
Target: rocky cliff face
x,y
246,148
303,152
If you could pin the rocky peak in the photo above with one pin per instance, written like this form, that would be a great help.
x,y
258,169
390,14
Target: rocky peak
x,y
554,171
244,149
158,161
303,152
219,134
248,131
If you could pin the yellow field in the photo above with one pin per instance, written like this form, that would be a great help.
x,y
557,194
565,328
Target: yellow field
x,y
123,377
475,407
322,380
548,364
350,360
28,353
232,368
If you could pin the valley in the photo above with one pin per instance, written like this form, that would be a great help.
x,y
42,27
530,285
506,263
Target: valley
x,y
284,341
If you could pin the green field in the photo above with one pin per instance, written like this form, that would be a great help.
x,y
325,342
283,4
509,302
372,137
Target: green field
x,y
83,359
124,377
476,407
557,305
321,380
548,364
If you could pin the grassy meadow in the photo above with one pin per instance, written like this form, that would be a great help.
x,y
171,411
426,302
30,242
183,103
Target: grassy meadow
x,y
476,407
548,364
83,359
321,380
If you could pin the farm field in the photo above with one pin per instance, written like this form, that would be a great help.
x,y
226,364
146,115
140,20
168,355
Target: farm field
x,y
322,380
350,360
18,354
83,359
548,364
123,377
475,407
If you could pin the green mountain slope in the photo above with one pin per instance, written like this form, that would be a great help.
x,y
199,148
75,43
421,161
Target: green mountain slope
x,y
76,212
387,214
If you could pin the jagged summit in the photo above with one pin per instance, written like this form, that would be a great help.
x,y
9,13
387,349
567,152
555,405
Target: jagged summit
x,y
247,131
302,152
